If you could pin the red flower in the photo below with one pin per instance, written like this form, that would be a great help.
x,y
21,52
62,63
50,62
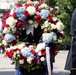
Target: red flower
x,y
7,14
14,42
7,26
33,51
20,24
14,15
37,9
35,60
50,18
19,5
38,18
3,36
43,52
27,5
26,13
10,53
55,22
16,34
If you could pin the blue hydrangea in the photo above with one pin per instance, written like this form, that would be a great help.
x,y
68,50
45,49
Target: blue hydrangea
x,y
20,13
27,53
9,37
44,13
49,37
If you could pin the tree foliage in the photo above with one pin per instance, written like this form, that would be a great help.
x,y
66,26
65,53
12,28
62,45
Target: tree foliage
x,y
66,8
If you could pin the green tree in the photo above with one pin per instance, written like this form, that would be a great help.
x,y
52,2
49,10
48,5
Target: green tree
x,y
66,8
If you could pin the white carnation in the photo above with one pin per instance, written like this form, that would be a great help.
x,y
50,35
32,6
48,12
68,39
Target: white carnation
x,y
4,42
40,46
21,45
53,26
54,18
59,26
42,59
11,21
21,61
6,30
29,60
31,10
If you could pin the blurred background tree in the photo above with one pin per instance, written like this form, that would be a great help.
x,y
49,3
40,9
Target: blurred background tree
x,y
64,9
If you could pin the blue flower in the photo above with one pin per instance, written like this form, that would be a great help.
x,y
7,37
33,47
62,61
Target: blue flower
x,y
49,37
44,13
9,37
26,53
20,13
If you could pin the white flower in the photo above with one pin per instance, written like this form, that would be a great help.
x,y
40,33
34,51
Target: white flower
x,y
29,60
43,5
6,30
40,46
30,21
21,61
21,45
42,59
11,21
59,26
31,10
4,42
53,26
54,18
39,53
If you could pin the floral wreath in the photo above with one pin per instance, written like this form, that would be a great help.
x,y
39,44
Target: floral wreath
x,y
26,31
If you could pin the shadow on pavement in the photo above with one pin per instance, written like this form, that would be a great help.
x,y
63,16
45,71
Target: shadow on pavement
x,y
7,72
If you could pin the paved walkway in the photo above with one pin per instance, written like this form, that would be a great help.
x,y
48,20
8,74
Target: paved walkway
x,y
7,69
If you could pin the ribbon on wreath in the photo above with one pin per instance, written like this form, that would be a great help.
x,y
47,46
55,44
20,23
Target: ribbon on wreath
x,y
48,60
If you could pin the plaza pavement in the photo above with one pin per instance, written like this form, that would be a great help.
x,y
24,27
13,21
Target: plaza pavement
x,y
7,69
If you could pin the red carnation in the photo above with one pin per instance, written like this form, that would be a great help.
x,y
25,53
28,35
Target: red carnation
x,y
35,60
14,42
38,18
43,52
26,13
16,34
27,5
55,22
14,15
50,18
7,26
20,24
18,5
33,51
7,14
3,36
37,9
10,53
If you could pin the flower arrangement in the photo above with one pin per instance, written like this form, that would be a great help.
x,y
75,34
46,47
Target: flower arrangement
x,y
26,31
